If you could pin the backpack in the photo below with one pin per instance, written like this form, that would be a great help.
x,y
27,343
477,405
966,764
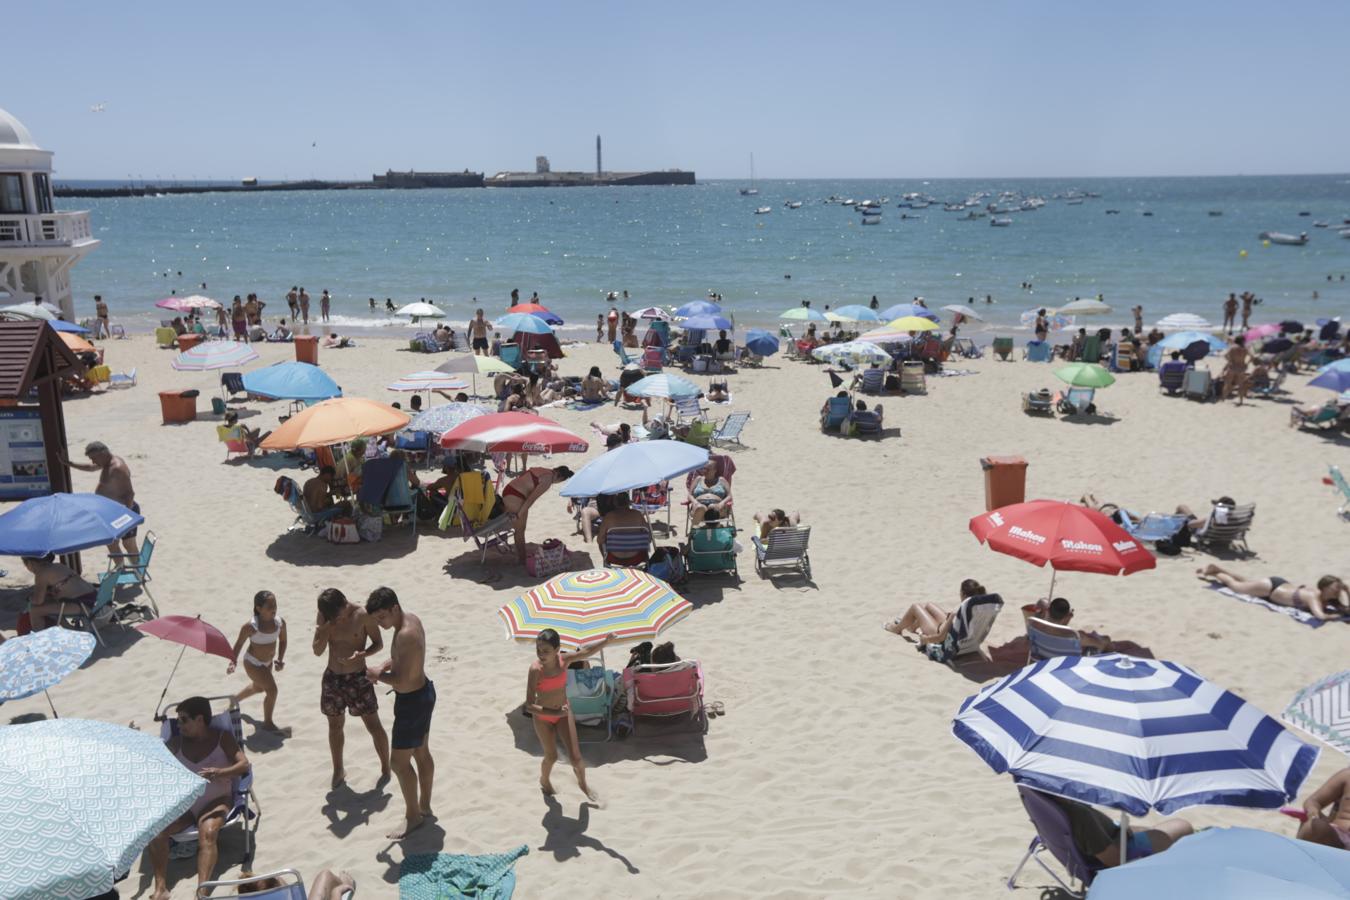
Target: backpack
x,y
667,564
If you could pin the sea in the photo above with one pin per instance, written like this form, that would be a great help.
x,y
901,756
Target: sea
x,y
1171,245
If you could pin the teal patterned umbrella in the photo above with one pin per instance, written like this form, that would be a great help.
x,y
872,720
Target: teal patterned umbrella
x,y
34,662
79,800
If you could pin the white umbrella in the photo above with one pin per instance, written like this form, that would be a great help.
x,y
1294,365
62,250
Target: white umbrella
x,y
655,312
1184,322
420,311
966,311
29,311
1088,306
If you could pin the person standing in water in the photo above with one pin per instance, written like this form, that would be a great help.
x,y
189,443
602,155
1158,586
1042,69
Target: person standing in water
x,y
546,701
265,635
325,303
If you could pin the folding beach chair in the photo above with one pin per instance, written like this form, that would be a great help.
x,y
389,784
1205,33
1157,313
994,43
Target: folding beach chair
x,y
244,808
627,546
166,338
415,444
1092,349
233,441
1037,351
231,383
649,501
1046,640
1172,378
135,568
726,468
624,358
970,627
1003,348
1123,360
385,490
1343,486
688,409
1153,527
873,380
785,548
1231,532
590,696
912,380
866,422
836,411
102,610
122,379
292,888
1195,384
1054,833
730,429
1329,417
666,690
967,348
1038,403
711,550
1076,401
498,532
653,359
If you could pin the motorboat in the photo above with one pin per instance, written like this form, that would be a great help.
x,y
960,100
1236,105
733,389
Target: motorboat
x,y
1345,233
998,222
793,204
872,219
763,210
848,202
749,192
1216,212
1321,225
1279,237
1304,212
953,207
1113,212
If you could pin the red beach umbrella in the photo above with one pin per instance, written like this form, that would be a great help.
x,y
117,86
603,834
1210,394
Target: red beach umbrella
x,y
190,631
1069,537
512,432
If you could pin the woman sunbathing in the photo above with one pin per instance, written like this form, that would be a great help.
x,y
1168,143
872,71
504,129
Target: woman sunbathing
x,y
1329,600
930,622
711,492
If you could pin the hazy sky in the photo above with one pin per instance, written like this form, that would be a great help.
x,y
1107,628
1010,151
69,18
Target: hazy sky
x,y
859,89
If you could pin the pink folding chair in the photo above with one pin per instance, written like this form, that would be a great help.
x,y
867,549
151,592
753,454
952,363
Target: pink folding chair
x,y
666,690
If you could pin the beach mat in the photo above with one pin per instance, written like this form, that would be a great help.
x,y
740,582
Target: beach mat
x,y
433,876
1323,711
1298,615
583,406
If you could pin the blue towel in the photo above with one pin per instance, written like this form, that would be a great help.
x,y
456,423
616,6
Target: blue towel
x,y
433,876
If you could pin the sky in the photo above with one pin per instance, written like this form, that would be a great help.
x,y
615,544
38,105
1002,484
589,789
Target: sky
x,y
842,90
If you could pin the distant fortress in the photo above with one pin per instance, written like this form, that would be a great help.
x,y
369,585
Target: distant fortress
x,y
542,176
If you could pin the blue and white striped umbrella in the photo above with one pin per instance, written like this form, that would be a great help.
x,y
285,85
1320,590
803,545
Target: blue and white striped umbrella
x,y
214,355
1134,735
79,800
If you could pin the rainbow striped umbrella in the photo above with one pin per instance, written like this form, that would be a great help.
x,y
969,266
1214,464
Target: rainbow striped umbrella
x,y
214,355
585,606
428,381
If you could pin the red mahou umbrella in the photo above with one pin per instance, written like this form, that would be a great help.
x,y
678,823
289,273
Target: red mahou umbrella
x,y
190,631
1069,537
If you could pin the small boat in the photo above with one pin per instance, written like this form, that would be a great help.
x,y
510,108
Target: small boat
x,y
1113,212
793,204
972,216
1000,222
1279,237
1216,212
751,191
763,210
848,202
1321,225
1147,212
907,216
1345,233
1076,201
953,207
1305,213
872,219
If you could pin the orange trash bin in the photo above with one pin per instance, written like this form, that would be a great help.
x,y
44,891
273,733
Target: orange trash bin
x,y
1005,481
178,406
307,349
188,341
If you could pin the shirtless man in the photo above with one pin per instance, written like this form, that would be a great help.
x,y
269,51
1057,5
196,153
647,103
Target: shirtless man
x,y
318,494
304,307
1230,307
1248,298
1330,600
478,334
414,701
1332,830
114,482
349,635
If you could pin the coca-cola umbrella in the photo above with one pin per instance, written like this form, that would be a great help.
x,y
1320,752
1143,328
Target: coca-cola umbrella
x,y
1069,537
512,432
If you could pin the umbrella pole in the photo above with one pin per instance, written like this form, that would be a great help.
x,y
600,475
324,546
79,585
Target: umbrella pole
x,y
1124,835
52,705
1051,596
164,692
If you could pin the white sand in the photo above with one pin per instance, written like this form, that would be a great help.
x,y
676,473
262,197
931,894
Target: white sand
x,y
833,771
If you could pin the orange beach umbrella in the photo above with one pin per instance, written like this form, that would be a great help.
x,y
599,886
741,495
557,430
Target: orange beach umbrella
x,y
76,343
334,421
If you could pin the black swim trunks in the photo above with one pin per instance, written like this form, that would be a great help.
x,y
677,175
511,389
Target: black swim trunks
x,y
480,343
412,717
136,508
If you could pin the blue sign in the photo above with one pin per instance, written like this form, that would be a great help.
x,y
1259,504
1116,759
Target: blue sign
x,y
23,455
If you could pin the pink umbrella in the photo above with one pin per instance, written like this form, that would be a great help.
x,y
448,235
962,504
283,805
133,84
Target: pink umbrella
x,y
190,631
1262,331
512,432
188,304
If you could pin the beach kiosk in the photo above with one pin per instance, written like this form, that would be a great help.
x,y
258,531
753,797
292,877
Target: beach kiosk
x,y
38,245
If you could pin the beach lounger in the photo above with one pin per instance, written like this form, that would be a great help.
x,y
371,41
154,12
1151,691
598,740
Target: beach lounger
x,y
1329,417
627,546
1196,384
1003,348
1054,833
122,379
624,358
836,411
1037,351
873,380
669,691
967,348
785,548
1344,487
1228,534
1038,403
1268,386
103,610
244,808
292,888
135,569
233,441
729,431
970,627
1046,640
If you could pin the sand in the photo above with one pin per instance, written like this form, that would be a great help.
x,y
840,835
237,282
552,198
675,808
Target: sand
x,y
833,771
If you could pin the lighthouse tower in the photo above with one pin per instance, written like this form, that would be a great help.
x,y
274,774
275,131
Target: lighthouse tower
x,y
38,246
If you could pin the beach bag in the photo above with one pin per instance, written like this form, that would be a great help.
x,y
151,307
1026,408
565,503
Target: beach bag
x,y
667,564
368,527
549,559
343,531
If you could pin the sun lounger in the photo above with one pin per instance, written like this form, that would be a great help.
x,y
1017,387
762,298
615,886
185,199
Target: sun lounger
x,y
670,691
1054,833
1038,403
785,548
912,378
1154,527
970,627
1329,417
244,809
1230,533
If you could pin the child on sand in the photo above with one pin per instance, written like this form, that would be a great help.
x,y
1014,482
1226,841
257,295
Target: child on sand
x,y
265,635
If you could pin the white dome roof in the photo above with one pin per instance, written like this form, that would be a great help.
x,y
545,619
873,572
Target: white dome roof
x,y
13,134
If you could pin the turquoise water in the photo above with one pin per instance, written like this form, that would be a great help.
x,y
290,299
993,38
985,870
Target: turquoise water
x,y
667,245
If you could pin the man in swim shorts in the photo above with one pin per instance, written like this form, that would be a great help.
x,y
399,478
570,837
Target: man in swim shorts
x,y
405,672
348,635
478,334
114,482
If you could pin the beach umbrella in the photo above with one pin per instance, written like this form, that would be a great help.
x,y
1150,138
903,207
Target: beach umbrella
x,y
1086,306
1088,375
428,381
188,304
333,422
1291,326
291,381
912,323
76,343
70,327
1269,329
421,310
1180,340
855,312
1322,709
64,523
34,662
1277,345
535,309
440,419
697,308
760,342
523,323
803,314
852,353
1183,322
1069,537
633,466
1336,364
656,312
1337,380
1194,351
900,310
1054,321
512,432
672,387
79,801
30,311
475,365
957,310
1231,864
585,606
214,355
190,631
885,335
705,322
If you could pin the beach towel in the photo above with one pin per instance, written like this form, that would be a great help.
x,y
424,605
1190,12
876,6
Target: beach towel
x,y
433,876
951,373
1298,615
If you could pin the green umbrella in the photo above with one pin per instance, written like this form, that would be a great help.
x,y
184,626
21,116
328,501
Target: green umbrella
x,y
1089,375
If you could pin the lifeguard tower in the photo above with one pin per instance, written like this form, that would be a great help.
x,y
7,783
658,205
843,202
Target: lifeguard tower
x,y
38,245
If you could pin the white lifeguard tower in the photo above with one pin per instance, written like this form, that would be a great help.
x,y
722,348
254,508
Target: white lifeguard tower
x,y
38,245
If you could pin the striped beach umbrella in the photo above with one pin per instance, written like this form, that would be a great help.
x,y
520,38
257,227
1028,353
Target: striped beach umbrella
x,y
1133,735
428,381
512,432
191,303
663,385
214,355
1322,709
585,606
1184,322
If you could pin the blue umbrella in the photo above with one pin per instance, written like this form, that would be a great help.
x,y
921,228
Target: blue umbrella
x,y
663,385
1180,340
63,325
697,308
705,322
63,523
856,312
1337,380
906,309
34,662
1231,864
292,381
526,322
1336,364
79,801
633,466
760,342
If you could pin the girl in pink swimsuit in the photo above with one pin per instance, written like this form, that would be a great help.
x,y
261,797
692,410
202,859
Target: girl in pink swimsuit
x,y
546,701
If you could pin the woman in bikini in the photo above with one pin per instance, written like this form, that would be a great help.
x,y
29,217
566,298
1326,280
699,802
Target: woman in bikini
x,y
710,492
930,622
1235,370
265,635
521,493
55,587
546,701
1329,600
593,387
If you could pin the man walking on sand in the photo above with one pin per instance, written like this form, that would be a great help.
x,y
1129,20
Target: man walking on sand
x,y
414,702
348,635
114,482
478,334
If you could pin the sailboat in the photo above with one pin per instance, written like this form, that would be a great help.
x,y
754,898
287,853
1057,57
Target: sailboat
x,y
751,191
